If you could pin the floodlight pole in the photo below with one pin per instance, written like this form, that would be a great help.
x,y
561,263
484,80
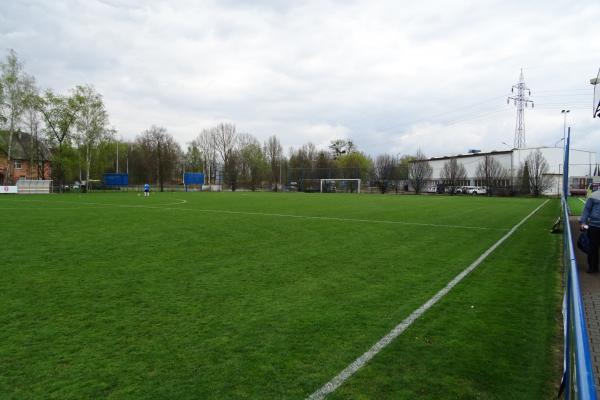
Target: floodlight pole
x,y
117,156
564,113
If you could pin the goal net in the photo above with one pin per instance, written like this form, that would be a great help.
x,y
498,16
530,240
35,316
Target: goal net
x,y
340,186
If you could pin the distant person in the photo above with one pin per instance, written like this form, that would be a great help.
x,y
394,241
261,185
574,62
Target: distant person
x,y
590,221
147,190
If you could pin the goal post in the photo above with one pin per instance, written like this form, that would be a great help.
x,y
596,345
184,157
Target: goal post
x,y
330,185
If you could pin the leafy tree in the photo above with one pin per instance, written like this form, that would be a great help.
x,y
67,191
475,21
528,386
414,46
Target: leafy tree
x,y
193,159
15,84
32,125
324,165
339,147
91,122
401,170
255,163
356,165
59,113
232,169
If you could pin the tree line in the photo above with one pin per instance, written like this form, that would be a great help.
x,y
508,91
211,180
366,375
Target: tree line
x,y
83,145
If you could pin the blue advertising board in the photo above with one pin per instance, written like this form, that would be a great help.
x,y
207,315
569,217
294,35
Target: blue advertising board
x,y
114,179
193,178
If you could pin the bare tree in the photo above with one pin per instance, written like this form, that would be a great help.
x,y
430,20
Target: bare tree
x,y
161,154
419,171
274,154
382,171
490,172
537,166
225,144
453,173
206,141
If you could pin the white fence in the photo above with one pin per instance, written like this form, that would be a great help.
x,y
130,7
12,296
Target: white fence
x,y
27,186
8,190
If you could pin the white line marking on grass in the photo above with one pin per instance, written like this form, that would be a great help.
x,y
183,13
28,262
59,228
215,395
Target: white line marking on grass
x,y
360,362
264,214
180,201
581,200
52,208
378,221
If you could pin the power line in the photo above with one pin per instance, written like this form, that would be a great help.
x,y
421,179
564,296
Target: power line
x,y
521,100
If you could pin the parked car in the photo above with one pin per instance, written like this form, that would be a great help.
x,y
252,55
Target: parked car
x,y
475,190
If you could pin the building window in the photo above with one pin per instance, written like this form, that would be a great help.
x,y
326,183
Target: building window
x,y
17,164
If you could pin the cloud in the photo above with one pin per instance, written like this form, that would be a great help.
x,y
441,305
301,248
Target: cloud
x,y
393,76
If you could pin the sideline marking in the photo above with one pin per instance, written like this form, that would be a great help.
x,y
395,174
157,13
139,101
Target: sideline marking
x,y
348,219
360,362
581,200
52,208
377,221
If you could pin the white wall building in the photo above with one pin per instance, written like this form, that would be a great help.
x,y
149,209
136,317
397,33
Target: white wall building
x,y
582,165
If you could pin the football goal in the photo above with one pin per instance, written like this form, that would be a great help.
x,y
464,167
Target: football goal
x,y
340,186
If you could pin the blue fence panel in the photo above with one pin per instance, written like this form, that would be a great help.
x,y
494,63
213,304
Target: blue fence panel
x,y
193,178
579,376
114,179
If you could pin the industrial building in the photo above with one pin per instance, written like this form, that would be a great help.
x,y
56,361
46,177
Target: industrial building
x,y
582,166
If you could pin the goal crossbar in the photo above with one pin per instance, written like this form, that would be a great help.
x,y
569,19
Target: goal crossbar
x,y
340,180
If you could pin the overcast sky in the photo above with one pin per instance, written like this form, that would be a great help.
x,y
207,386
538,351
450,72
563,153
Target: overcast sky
x,y
391,75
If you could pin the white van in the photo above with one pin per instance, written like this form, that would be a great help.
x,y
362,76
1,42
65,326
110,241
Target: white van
x,y
475,190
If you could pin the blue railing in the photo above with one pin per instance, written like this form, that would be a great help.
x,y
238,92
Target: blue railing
x,y
578,378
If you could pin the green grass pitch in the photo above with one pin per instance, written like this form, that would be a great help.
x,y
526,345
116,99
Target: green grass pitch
x,y
240,295
576,205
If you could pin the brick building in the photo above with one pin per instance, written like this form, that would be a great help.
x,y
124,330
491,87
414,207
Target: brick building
x,y
30,158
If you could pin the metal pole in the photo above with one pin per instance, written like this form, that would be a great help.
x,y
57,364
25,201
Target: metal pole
x,y
564,113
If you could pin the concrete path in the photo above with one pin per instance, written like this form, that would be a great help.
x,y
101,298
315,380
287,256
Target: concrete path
x,y
590,291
